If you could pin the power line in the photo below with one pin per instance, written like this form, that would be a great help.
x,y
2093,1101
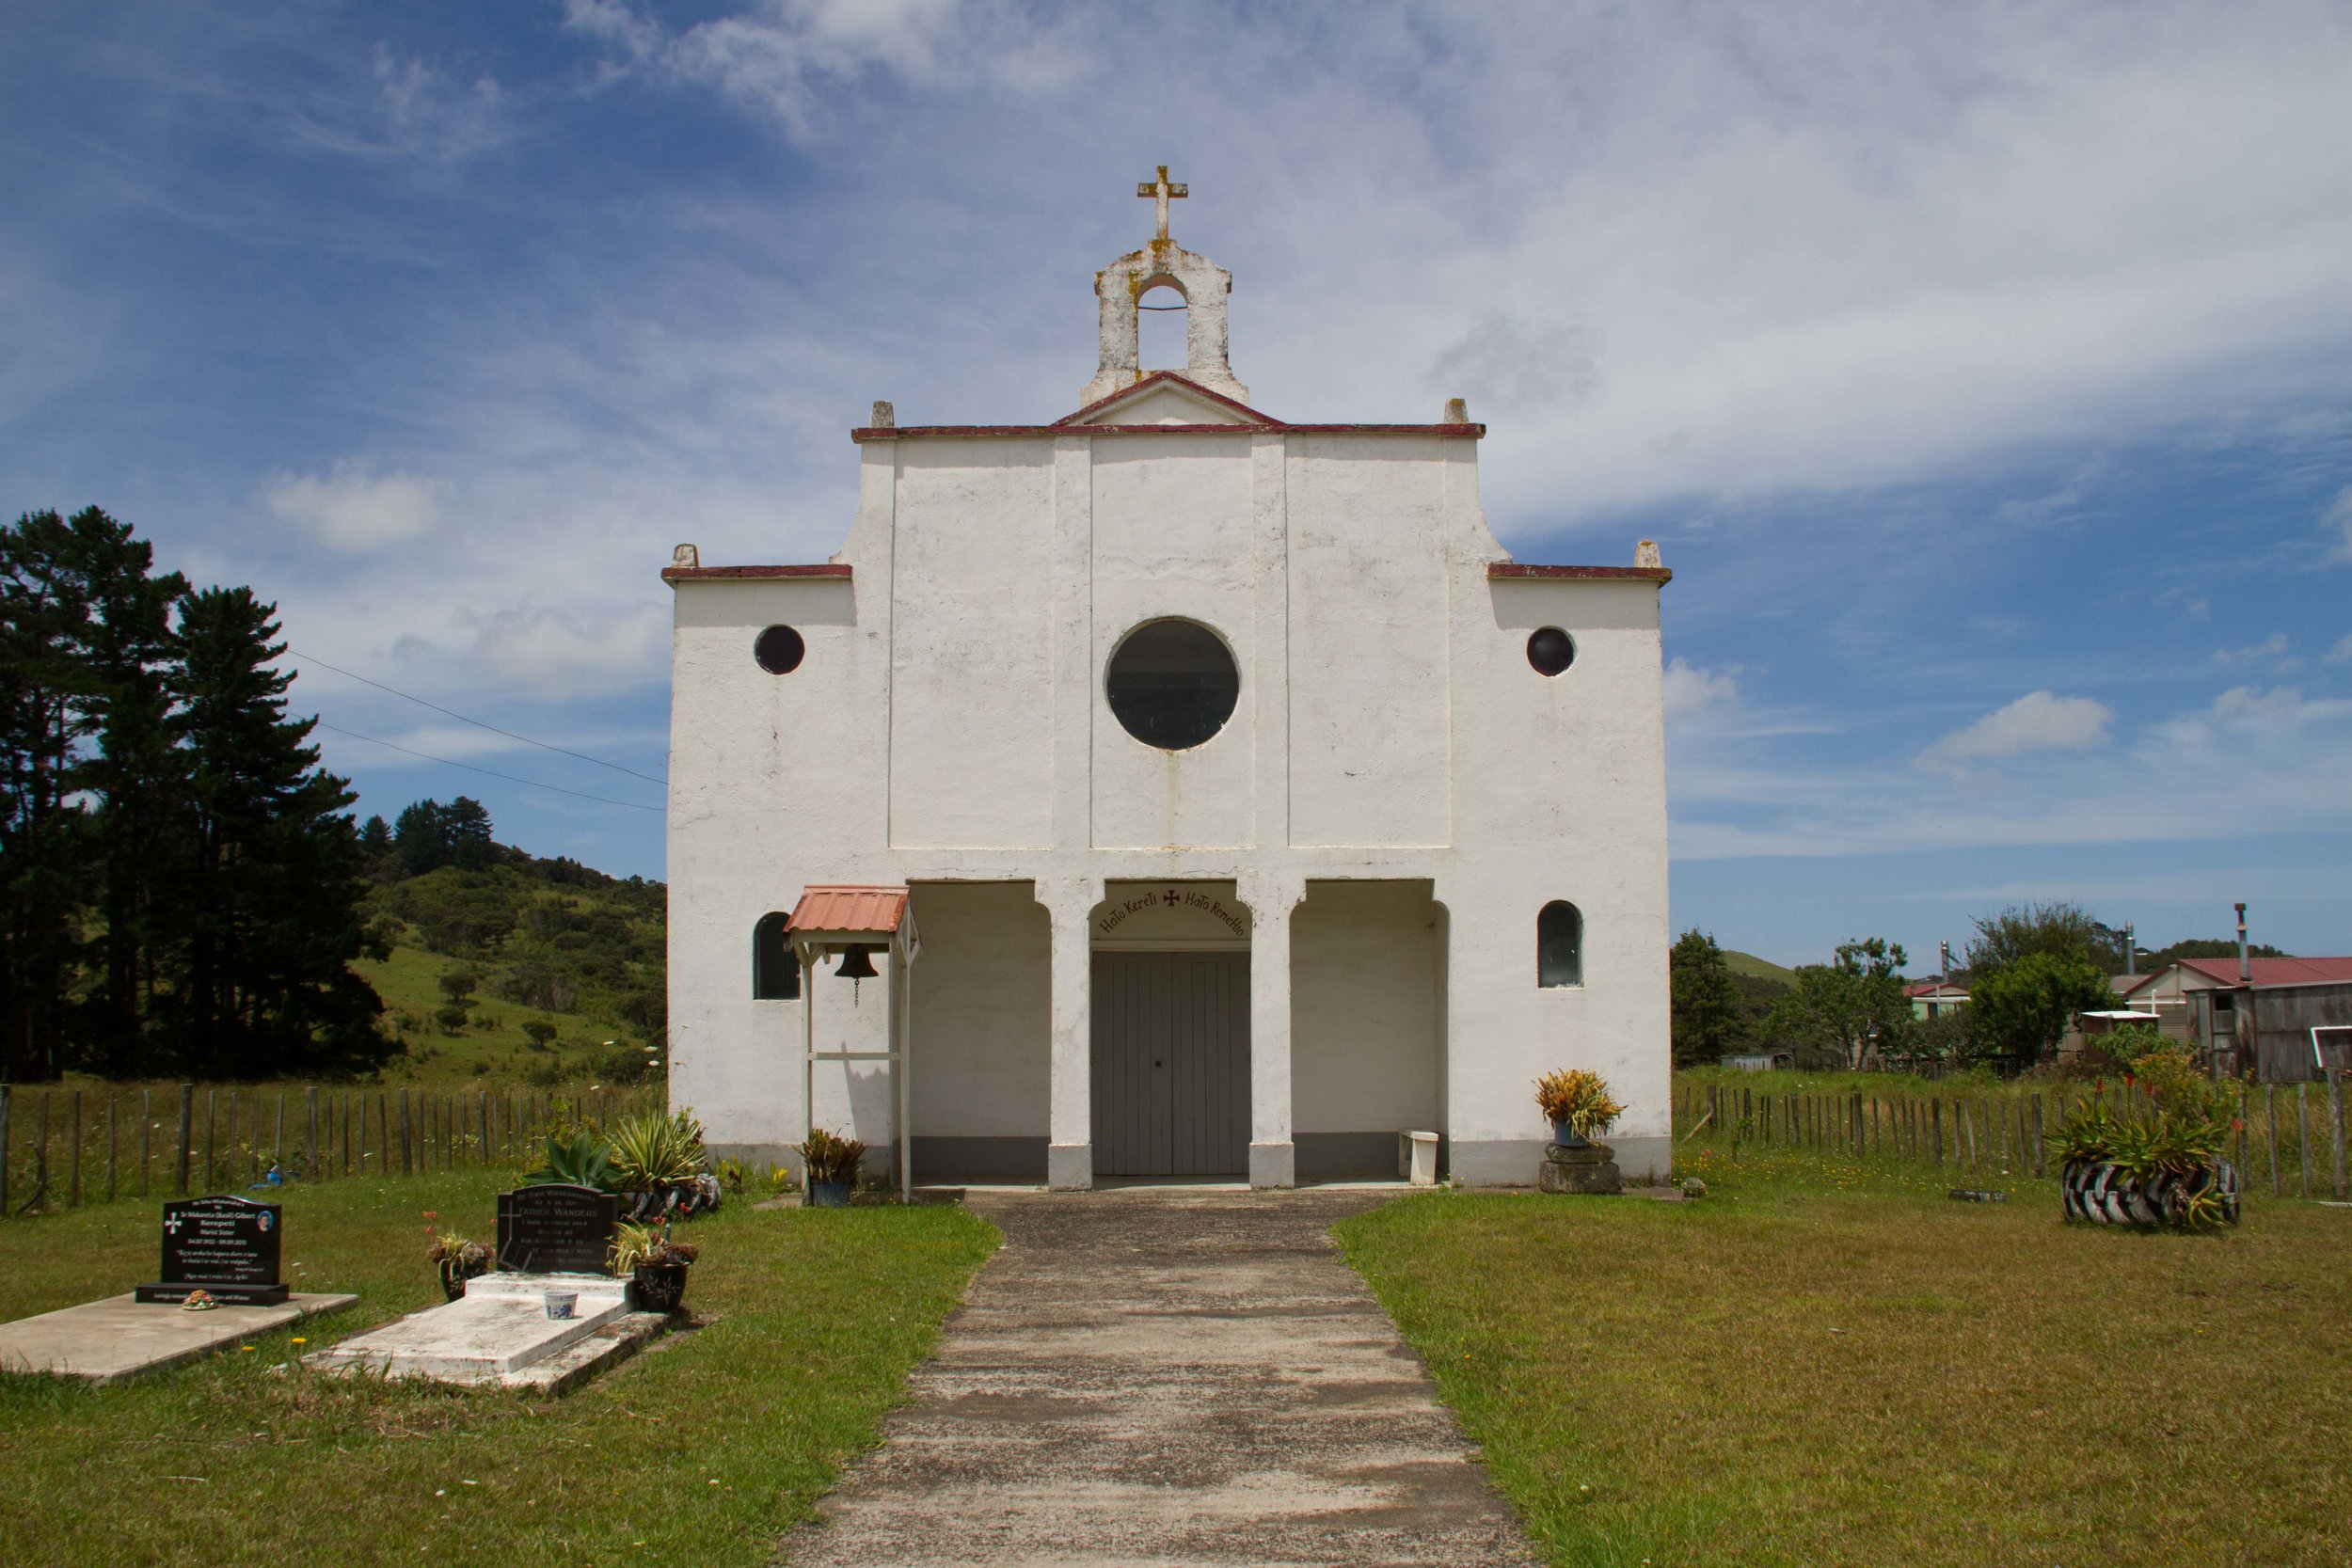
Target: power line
x,y
469,768
475,723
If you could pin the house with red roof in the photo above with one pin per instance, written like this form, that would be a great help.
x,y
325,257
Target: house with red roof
x,y
2251,1017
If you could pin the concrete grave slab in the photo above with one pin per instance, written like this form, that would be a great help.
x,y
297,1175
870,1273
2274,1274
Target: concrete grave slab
x,y
104,1342
499,1332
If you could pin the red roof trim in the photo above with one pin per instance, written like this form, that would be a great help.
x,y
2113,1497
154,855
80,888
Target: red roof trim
x,y
1501,570
722,574
978,431
1154,379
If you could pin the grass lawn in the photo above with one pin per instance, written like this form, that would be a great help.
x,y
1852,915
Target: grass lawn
x,y
703,1451
1829,1362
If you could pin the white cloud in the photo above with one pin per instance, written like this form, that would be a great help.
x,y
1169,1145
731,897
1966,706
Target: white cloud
x,y
2339,517
2341,652
353,510
2273,646
2037,722
1692,689
778,57
561,652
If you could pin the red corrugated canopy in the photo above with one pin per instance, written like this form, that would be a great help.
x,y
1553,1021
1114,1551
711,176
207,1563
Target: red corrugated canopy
x,y
875,910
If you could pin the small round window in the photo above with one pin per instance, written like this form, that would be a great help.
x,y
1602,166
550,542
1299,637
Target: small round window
x,y
779,650
1551,651
1172,684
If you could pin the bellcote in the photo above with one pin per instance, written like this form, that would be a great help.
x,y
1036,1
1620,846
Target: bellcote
x,y
1120,288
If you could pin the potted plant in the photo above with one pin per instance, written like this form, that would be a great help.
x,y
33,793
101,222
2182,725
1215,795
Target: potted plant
x,y
658,1166
2155,1160
656,1265
832,1163
1578,1104
459,1260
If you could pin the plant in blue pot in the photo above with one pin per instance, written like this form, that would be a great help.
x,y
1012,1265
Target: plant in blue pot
x,y
832,1163
1578,1104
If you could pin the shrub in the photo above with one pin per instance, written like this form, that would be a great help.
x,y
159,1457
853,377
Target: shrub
x,y
450,1020
654,1150
581,1158
538,1031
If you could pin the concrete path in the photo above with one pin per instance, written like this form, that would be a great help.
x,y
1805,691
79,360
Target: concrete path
x,y
1167,1377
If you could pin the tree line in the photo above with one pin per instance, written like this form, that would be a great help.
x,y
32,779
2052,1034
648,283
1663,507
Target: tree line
x,y
2030,970
180,884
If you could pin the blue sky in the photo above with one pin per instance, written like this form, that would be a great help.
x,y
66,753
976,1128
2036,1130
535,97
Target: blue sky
x,y
1984,372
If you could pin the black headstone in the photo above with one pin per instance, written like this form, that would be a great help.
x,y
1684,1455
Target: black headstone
x,y
556,1228
228,1247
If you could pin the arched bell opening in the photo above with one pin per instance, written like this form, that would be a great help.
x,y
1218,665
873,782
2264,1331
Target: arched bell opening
x,y
1163,328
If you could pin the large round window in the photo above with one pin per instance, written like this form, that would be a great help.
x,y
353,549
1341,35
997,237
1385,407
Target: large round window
x,y
1172,684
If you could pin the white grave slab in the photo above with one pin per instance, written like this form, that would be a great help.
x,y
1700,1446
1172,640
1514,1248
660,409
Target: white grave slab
x,y
498,1332
106,1341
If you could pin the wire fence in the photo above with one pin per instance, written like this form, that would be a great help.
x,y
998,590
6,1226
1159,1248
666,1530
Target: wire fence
x,y
61,1149
2290,1138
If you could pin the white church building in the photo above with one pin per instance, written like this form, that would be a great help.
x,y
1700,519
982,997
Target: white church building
x,y
1209,796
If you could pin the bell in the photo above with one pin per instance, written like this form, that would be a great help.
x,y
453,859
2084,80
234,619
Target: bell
x,y
856,964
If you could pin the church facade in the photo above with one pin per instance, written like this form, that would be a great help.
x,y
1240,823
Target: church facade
x,y
1251,804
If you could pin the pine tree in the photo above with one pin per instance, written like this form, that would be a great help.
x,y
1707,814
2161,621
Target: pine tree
x,y
420,838
1705,1003
269,894
375,838
467,825
46,722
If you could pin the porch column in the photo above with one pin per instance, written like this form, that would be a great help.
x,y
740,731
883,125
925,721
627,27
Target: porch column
x,y
1070,1100
1273,1158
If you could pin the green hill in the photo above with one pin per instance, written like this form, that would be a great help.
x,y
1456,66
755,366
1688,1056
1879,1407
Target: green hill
x,y
1754,968
547,943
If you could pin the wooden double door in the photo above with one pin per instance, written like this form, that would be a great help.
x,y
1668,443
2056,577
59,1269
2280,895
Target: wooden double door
x,y
1171,1063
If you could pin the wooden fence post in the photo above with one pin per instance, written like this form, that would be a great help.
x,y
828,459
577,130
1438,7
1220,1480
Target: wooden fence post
x,y
74,1152
408,1144
110,1146
187,1133
2270,1118
2303,1137
2335,1123
310,1131
1935,1114
2037,1136
146,1124
6,1094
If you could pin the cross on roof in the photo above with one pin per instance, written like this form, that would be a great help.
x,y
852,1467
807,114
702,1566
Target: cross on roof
x,y
1163,192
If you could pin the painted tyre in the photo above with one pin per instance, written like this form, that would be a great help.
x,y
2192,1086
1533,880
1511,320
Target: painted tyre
x,y
2104,1195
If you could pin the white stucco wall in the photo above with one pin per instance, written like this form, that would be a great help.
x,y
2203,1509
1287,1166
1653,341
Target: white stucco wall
x,y
948,726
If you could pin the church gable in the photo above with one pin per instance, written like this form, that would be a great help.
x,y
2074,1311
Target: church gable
x,y
1167,398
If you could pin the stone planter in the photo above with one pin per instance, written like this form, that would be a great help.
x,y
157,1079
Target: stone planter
x,y
2103,1194
658,1287
827,1195
1583,1166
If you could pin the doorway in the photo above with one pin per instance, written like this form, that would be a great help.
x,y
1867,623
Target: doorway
x,y
1171,1063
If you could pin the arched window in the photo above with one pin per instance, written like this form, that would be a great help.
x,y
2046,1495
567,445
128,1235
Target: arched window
x,y
1559,945
775,969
